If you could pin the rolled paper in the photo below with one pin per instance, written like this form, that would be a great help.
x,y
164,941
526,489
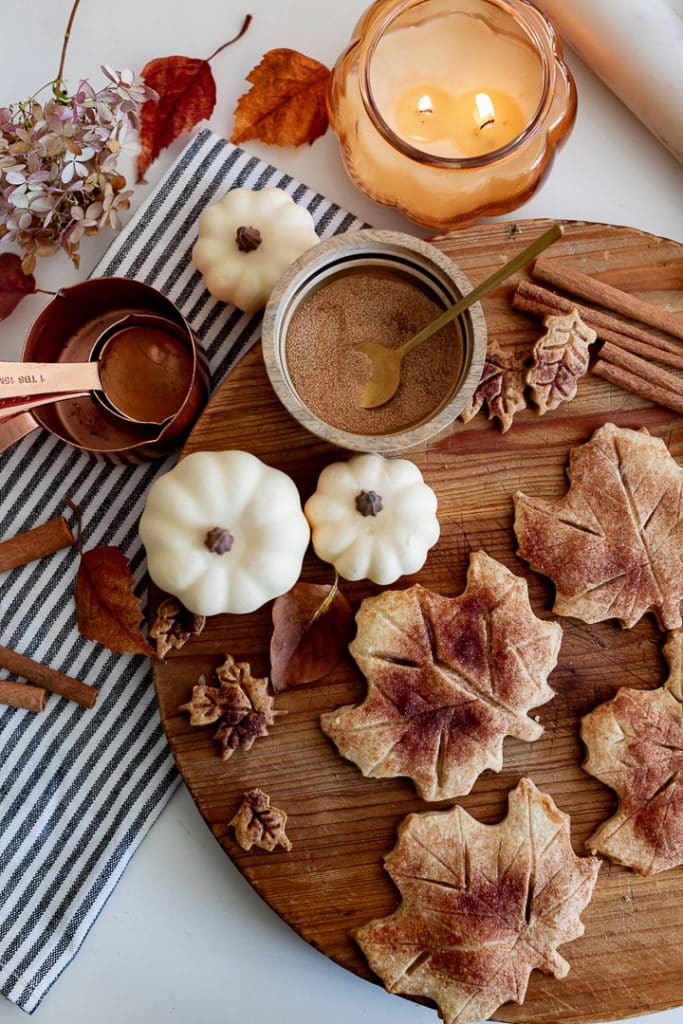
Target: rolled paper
x,y
636,47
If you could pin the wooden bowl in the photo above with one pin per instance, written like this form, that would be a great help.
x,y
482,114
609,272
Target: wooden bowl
x,y
410,257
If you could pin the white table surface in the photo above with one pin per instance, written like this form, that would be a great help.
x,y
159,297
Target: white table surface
x,y
184,938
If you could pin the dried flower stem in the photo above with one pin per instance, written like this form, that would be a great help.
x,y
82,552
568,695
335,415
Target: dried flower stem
x,y
245,26
65,44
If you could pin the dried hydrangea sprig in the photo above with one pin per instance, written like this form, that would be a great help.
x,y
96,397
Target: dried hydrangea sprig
x,y
58,177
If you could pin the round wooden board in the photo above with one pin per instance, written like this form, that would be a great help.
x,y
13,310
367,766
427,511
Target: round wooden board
x,y
630,959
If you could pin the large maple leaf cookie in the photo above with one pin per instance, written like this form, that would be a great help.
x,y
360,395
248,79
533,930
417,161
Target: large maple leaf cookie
x,y
613,545
448,679
482,905
635,746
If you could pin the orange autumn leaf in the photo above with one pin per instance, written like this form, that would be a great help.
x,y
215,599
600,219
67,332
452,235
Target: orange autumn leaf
x,y
286,103
107,610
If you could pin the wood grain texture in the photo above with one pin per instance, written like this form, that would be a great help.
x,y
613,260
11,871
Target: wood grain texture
x,y
630,959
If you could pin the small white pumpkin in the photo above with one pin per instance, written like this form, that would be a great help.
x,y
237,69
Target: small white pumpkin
x,y
246,242
224,532
373,518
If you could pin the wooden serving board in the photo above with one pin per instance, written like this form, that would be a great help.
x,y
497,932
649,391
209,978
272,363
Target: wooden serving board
x,y
630,959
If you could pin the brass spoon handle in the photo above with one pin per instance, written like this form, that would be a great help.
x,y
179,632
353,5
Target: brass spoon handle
x,y
520,260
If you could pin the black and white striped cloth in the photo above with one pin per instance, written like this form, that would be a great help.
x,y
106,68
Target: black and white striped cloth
x,y
79,789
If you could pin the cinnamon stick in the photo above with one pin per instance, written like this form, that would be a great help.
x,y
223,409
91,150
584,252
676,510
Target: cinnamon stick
x,y
49,678
532,298
641,348
637,385
642,368
22,695
37,543
551,271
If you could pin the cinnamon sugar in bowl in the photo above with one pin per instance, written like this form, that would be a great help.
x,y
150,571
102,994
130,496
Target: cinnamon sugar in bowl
x,y
380,286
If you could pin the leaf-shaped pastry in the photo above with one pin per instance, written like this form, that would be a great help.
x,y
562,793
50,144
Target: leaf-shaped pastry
x,y
635,746
482,905
501,387
559,358
448,679
240,704
613,545
256,823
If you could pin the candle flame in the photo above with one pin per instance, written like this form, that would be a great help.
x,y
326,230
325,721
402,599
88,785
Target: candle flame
x,y
485,113
424,105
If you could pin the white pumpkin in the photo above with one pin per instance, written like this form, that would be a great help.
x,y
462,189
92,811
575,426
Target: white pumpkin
x,y
224,532
246,242
373,518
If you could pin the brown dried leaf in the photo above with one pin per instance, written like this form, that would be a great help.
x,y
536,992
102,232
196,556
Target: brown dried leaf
x,y
258,824
14,283
501,387
240,704
107,610
311,627
448,679
559,358
286,105
635,746
174,625
482,906
613,545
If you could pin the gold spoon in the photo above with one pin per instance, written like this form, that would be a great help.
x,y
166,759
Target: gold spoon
x,y
386,362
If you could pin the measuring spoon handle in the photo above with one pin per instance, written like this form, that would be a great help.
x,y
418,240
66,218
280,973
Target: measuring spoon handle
x,y
25,379
520,260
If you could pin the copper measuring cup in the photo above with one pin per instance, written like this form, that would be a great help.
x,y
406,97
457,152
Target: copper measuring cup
x,y
161,362
65,332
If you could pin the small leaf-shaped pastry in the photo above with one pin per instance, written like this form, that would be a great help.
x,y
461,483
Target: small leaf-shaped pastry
x,y
501,387
635,746
613,545
174,625
240,704
258,824
560,357
448,680
482,906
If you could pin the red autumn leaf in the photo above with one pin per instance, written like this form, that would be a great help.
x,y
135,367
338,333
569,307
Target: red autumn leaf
x,y
14,283
312,625
187,95
107,610
286,103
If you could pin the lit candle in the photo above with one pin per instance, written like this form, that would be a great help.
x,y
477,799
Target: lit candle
x,y
451,109
467,125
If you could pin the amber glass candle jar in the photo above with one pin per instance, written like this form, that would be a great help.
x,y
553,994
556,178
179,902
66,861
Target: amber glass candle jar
x,y
451,109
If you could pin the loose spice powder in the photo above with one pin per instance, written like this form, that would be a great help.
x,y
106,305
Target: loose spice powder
x,y
370,305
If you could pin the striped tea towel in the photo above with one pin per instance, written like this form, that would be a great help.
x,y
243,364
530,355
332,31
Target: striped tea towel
x,y
79,789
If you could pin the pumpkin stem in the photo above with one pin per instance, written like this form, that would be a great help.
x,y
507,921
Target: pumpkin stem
x,y
218,540
247,238
369,503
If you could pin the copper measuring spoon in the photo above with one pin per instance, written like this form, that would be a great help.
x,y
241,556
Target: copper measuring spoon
x,y
386,362
25,385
